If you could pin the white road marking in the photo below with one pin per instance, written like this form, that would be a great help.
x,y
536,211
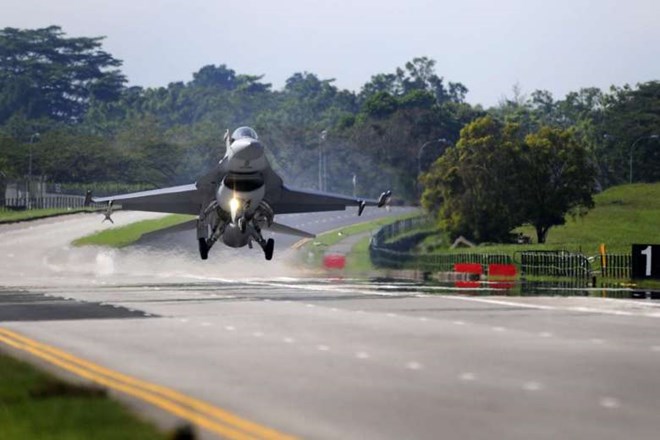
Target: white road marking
x,y
392,315
554,308
532,386
230,328
289,340
459,323
655,348
334,309
545,334
206,324
423,319
609,402
468,377
257,334
323,348
413,365
597,341
362,355
184,320
311,306
499,329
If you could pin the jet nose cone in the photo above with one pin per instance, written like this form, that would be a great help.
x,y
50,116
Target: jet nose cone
x,y
246,149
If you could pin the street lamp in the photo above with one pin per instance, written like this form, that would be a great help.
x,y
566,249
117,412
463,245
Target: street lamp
x,y
632,148
421,151
419,157
323,135
29,182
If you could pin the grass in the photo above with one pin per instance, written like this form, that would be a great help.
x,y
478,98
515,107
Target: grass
x,y
358,260
623,215
125,235
319,245
8,216
35,405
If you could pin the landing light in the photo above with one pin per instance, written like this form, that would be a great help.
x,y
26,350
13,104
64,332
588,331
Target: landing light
x,y
234,204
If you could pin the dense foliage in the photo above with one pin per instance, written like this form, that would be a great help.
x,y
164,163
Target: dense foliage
x,y
496,178
93,128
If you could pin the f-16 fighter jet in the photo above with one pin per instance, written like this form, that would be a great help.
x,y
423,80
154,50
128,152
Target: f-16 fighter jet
x,y
239,198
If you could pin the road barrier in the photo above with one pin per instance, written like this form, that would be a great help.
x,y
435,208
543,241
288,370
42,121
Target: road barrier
x,y
615,265
554,263
397,254
388,252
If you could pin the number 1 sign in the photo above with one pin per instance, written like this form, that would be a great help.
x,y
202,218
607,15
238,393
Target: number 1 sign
x,y
646,261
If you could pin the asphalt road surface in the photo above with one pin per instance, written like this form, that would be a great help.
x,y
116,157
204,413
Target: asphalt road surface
x,y
334,358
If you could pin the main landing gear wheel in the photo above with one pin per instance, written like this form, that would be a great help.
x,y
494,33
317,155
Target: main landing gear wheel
x,y
203,248
268,249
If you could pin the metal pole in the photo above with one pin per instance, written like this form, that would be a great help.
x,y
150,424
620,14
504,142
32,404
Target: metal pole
x,y
632,148
419,156
29,182
322,184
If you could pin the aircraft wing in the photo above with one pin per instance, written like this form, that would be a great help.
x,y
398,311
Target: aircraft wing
x,y
284,229
185,199
297,201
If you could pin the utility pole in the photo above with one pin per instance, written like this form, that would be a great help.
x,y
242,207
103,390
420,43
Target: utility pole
x,y
322,182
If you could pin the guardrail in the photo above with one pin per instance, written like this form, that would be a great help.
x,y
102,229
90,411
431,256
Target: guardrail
x,y
556,263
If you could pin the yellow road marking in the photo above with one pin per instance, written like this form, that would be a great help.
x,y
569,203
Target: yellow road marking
x,y
196,411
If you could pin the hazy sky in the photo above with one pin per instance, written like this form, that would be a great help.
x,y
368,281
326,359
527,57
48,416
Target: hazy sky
x,y
488,45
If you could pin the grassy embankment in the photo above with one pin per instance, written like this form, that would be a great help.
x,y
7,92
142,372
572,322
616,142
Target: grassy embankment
x,y
623,215
7,216
358,259
35,405
125,235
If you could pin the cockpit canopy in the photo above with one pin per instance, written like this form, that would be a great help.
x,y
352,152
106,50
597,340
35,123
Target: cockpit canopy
x,y
244,132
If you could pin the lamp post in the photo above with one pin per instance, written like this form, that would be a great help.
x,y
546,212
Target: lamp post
x,y
632,148
421,151
323,135
419,156
29,182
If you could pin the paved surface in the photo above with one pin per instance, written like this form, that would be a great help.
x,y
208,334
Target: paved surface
x,y
321,358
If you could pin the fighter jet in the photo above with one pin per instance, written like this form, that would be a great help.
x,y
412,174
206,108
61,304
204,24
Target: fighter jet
x,y
239,198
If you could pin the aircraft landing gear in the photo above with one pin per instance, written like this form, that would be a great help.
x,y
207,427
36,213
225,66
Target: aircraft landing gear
x,y
269,247
242,224
203,248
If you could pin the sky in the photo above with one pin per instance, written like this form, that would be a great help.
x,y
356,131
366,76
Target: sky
x,y
488,45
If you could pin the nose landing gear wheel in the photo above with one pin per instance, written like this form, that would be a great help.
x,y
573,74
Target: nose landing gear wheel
x,y
268,249
203,249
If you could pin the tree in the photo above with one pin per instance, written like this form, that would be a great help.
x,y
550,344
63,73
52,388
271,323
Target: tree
x,y
555,177
471,188
631,115
495,180
45,74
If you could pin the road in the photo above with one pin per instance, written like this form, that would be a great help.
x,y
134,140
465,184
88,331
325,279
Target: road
x,y
331,358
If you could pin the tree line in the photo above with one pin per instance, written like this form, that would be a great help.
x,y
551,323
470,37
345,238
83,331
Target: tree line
x,y
92,127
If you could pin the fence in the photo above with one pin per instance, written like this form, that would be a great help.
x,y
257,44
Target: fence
x,y
616,265
554,264
398,254
47,202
